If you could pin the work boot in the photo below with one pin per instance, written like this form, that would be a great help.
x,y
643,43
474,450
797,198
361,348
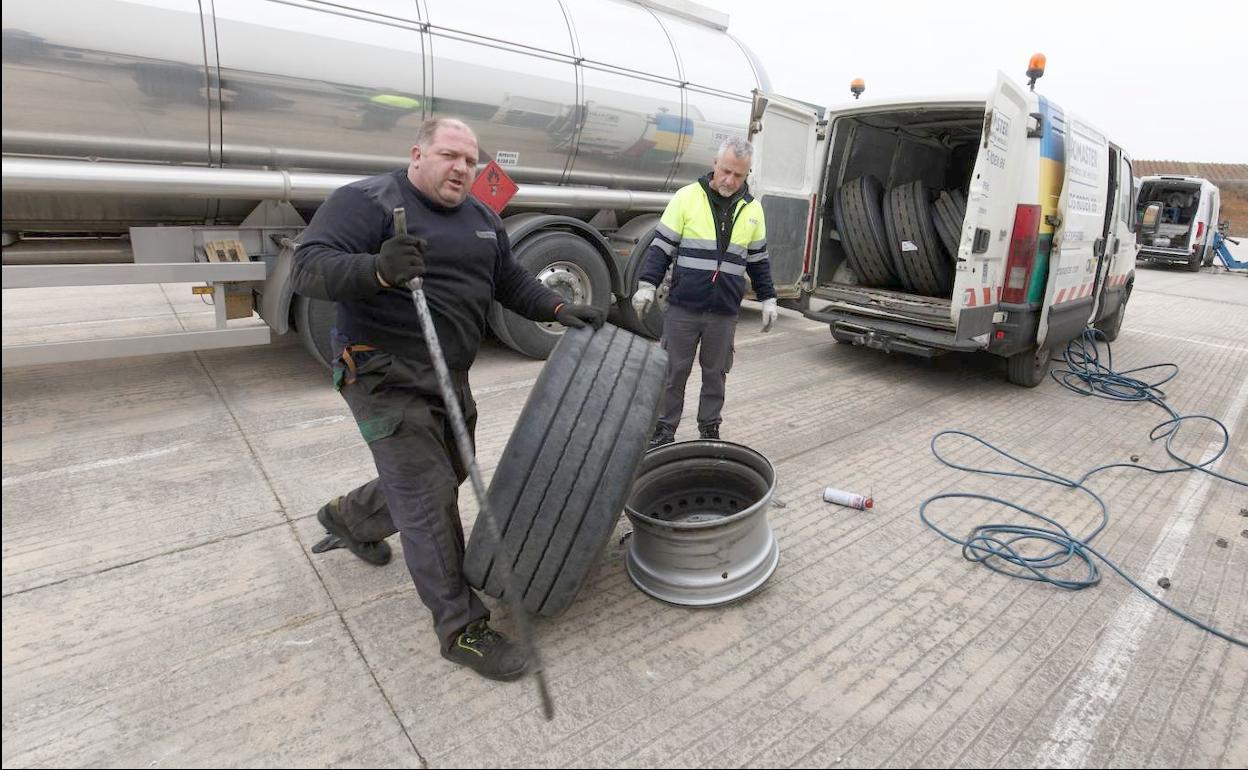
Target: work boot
x,y
662,435
374,552
488,652
709,432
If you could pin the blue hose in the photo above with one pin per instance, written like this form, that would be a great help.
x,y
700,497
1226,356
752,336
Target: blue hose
x,y
997,545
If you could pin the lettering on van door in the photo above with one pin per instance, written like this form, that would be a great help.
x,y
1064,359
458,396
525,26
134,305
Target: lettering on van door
x,y
999,141
1083,161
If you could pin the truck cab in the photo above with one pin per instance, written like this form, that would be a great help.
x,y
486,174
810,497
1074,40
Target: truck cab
x,y
997,223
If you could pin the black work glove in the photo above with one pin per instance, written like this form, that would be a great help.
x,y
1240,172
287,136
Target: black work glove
x,y
401,259
579,316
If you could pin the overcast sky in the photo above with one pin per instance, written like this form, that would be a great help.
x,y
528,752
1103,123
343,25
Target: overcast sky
x,y
1166,80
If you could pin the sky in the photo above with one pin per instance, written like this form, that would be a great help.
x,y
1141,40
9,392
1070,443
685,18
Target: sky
x,y
1165,80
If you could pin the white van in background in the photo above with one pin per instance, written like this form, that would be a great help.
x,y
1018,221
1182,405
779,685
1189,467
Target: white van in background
x,y
998,223
1189,217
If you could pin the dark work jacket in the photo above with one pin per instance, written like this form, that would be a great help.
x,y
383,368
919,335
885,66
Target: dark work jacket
x,y
468,264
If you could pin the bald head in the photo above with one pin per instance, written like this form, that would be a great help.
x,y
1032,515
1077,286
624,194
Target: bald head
x,y
444,160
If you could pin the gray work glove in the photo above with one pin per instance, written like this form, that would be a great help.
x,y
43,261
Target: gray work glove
x,y
644,297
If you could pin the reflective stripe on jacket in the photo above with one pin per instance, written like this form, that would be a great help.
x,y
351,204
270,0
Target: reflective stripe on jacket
x,y
704,277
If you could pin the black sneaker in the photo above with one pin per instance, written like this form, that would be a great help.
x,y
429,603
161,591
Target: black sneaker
x,y
374,552
709,432
661,436
488,652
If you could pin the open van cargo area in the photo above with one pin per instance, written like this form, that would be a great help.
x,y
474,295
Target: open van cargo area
x,y
1180,202
896,200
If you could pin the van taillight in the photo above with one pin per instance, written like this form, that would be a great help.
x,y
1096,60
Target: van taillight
x,y
1022,256
1200,230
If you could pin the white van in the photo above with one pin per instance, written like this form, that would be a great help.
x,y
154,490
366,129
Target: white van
x,y
1189,216
999,224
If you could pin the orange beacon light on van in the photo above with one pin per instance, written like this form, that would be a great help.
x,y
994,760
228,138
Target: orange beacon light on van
x,y
1035,69
857,86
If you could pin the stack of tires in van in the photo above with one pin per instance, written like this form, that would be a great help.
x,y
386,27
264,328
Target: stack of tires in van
x,y
904,239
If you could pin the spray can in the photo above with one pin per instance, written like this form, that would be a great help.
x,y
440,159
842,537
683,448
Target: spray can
x,y
848,499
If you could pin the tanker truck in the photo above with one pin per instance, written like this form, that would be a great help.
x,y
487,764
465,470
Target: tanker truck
x,y
162,141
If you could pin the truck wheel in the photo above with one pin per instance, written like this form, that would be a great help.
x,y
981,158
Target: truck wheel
x,y
1029,367
314,318
1111,325
918,256
568,265
860,221
566,472
651,324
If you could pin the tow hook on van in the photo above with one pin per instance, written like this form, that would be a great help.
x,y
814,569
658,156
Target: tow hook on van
x,y
851,334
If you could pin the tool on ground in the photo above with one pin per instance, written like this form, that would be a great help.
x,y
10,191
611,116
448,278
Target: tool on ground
x,y
847,499
515,593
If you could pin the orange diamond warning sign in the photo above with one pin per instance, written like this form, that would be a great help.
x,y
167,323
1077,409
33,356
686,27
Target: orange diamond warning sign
x,y
493,187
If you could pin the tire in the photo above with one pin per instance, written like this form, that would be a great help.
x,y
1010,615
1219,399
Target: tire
x,y
1028,368
651,324
857,206
314,318
948,214
1111,325
566,263
1208,260
1193,263
566,472
918,257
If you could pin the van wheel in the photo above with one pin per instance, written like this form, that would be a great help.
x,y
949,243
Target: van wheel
x,y
1193,263
1029,367
1111,325
568,265
1208,261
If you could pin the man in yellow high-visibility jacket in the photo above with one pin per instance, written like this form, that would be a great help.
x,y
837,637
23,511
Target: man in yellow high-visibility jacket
x,y
714,231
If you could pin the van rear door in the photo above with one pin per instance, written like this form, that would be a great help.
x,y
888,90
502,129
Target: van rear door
x,y
784,177
1111,275
1079,241
990,210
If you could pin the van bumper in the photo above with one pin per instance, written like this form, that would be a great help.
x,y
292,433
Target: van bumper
x,y
891,336
1168,256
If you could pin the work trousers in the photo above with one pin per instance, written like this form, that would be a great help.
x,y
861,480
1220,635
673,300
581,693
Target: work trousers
x,y
709,336
399,409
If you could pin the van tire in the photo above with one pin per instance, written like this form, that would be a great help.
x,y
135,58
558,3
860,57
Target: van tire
x,y
1029,367
858,208
948,214
567,469
1111,325
924,268
536,254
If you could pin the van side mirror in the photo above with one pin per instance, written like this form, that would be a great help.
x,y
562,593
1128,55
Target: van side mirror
x,y
1150,221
